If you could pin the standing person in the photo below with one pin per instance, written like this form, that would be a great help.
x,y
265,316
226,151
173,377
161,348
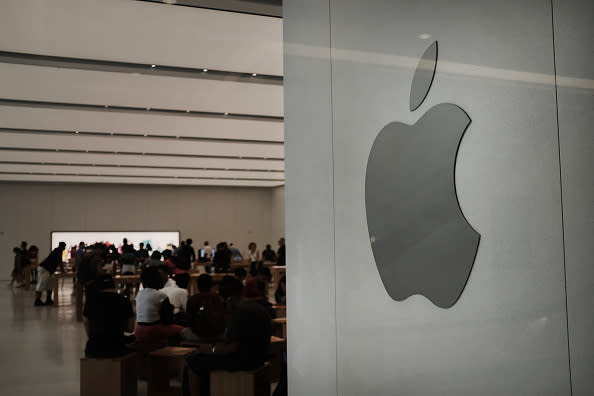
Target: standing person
x,y
222,259
280,254
141,253
33,262
186,254
17,270
127,248
235,253
254,258
206,253
45,274
268,255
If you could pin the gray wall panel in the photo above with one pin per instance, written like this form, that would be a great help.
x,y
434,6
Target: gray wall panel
x,y
309,212
574,35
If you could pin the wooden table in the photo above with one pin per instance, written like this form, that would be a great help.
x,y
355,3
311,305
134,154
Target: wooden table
x,y
279,327
57,277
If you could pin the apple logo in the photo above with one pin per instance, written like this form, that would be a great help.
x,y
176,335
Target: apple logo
x,y
421,241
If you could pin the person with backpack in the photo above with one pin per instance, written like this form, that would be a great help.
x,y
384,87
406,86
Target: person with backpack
x,y
205,313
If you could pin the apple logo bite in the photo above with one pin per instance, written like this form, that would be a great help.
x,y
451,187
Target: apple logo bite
x,y
421,241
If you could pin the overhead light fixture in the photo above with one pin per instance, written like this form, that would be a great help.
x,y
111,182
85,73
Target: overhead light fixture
x,y
145,134
106,106
187,111
204,70
153,65
148,108
75,131
254,74
226,114
424,36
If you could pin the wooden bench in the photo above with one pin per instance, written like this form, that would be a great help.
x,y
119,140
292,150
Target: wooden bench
x,y
110,376
165,364
240,383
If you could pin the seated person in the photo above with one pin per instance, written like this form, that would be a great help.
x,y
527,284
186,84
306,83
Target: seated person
x,y
280,295
178,297
240,273
245,347
154,260
231,290
154,312
255,290
205,312
106,316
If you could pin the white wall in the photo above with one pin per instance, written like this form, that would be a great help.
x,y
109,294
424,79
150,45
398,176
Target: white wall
x,y
348,73
278,212
31,211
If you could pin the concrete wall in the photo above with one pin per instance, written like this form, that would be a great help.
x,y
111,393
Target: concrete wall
x,y
523,177
31,211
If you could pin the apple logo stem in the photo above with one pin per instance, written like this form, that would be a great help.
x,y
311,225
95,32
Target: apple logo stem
x,y
421,241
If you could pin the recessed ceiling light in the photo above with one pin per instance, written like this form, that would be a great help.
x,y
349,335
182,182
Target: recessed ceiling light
x,y
145,134
153,65
204,70
226,114
254,74
425,36
187,111
148,108
75,131
177,137
106,106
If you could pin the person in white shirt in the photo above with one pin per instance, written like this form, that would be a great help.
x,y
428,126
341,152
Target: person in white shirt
x,y
178,297
154,312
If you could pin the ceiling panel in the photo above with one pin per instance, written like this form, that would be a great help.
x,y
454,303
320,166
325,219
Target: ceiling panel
x,y
136,180
80,142
139,171
38,118
25,82
158,161
143,32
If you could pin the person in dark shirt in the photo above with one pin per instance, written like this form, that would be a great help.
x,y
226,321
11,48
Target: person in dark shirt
x,y
106,316
222,258
255,290
187,254
126,248
141,253
45,274
280,254
246,346
268,255
205,312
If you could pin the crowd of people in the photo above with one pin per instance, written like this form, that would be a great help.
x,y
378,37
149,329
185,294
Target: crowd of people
x,y
234,314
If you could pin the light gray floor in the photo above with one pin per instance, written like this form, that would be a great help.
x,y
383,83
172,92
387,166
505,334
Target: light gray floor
x,y
41,347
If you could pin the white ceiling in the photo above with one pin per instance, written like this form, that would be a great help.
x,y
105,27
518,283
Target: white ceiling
x,y
74,115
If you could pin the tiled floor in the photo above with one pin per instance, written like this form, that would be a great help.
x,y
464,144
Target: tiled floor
x,y
40,347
